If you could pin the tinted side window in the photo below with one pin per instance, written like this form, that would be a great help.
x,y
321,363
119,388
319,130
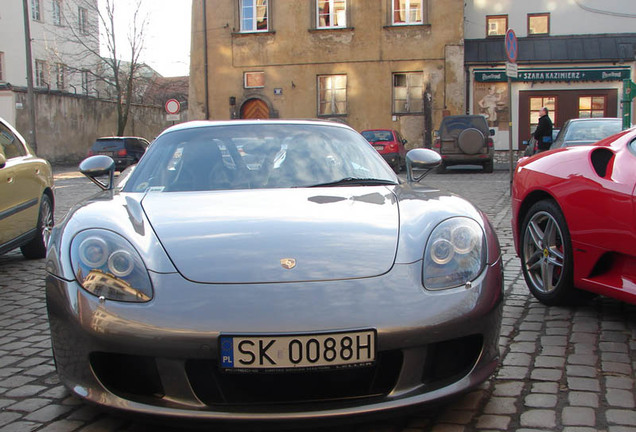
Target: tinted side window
x,y
137,145
108,145
11,145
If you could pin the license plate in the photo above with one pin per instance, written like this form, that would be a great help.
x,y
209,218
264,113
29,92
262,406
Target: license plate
x,y
325,350
378,147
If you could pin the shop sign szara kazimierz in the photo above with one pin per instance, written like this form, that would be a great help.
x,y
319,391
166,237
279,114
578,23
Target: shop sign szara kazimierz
x,y
560,74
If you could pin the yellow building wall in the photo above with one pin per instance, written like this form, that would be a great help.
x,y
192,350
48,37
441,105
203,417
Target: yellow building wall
x,y
292,54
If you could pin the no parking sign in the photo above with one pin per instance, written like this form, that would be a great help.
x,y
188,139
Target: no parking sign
x,y
172,107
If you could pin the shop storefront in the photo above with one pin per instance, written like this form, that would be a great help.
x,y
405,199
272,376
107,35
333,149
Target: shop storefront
x,y
568,92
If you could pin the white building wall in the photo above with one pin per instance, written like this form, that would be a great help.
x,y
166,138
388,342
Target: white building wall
x,y
51,43
567,17
12,43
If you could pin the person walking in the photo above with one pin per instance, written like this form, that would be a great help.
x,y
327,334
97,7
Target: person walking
x,y
543,132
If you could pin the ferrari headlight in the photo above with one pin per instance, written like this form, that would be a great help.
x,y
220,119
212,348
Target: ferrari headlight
x,y
107,265
455,254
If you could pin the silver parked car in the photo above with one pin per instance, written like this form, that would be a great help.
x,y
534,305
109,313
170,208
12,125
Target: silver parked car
x,y
270,271
583,131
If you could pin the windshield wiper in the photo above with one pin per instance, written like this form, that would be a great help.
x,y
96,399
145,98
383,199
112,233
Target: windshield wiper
x,y
356,181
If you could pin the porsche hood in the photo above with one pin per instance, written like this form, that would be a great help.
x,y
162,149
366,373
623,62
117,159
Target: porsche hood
x,y
269,236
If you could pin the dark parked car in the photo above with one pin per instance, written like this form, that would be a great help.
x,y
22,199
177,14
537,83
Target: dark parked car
x,y
26,196
390,144
582,131
125,151
465,140
306,283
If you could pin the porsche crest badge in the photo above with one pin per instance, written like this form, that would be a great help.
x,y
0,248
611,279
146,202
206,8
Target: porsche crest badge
x,y
288,263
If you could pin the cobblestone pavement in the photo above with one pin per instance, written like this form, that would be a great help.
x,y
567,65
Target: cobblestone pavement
x,y
566,368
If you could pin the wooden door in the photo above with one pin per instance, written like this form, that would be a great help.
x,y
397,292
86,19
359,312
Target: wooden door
x,y
255,109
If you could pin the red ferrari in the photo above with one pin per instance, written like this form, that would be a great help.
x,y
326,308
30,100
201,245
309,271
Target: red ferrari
x,y
574,220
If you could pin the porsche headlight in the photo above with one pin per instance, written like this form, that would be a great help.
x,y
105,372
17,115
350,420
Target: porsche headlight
x,y
107,265
455,254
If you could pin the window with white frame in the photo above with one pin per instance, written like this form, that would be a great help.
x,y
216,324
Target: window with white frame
x,y
539,24
408,94
332,95
40,73
406,12
57,12
82,20
496,25
60,76
331,13
254,15
36,10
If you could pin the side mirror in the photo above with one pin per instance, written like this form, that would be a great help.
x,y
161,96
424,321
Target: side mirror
x,y
421,159
492,132
436,133
98,166
404,141
3,159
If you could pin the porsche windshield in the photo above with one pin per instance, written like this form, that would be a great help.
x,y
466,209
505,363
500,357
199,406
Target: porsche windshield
x,y
254,156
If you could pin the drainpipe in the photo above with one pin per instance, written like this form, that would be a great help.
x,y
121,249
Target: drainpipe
x,y
29,66
205,61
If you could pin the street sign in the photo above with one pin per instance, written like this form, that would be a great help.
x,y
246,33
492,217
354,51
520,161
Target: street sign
x,y
172,106
173,117
512,49
512,70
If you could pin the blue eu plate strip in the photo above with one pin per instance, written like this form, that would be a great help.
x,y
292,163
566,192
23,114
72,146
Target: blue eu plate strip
x,y
227,352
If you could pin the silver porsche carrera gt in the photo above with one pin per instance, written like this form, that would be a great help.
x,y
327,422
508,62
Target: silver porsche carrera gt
x,y
271,271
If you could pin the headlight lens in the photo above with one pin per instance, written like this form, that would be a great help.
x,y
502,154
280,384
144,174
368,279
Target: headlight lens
x,y
107,265
455,254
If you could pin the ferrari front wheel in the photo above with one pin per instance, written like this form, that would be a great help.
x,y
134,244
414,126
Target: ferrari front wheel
x,y
546,253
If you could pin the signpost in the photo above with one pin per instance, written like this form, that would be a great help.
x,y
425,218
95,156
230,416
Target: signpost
x,y
512,51
172,107
629,91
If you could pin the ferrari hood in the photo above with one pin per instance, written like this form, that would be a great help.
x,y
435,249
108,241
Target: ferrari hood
x,y
276,235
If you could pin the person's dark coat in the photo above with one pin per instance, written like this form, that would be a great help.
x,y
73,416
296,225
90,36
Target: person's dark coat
x,y
543,133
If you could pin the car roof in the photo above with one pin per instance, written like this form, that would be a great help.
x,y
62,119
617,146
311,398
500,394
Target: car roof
x,y
594,119
120,138
195,124
463,116
378,130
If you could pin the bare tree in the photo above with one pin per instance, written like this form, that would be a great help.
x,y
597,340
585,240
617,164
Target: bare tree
x,y
110,57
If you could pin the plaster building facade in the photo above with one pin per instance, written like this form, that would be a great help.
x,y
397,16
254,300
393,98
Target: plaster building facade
x,y
395,64
572,57
59,62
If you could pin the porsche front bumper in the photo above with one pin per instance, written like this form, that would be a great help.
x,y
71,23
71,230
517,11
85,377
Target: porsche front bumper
x,y
162,357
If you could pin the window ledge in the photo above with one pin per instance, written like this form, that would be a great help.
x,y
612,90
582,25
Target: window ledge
x,y
406,26
254,33
331,29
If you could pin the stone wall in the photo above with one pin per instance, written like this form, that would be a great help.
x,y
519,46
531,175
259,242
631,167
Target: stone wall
x,y
67,124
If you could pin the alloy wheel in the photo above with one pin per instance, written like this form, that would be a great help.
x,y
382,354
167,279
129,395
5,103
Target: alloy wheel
x,y
543,252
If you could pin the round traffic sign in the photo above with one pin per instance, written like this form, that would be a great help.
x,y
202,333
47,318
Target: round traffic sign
x,y
512,49
173,106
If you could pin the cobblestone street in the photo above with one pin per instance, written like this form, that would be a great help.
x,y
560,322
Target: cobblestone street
x,y
562,368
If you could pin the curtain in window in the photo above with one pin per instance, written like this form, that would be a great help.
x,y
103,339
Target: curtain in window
x,y
407,11
253,15
332,95
324,19
261,14
332,13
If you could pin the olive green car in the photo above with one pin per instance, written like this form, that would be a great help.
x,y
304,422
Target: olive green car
x,y
26,196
